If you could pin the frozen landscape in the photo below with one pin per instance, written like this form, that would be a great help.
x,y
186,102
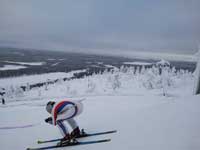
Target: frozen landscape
x,y
134,64
149,110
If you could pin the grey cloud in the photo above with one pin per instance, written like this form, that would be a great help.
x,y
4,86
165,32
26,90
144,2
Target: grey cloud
x,y
171,25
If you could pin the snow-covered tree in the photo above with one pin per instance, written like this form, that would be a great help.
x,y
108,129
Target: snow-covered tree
x,y
39,92
143,69
163,63
28,87
46,84
137,71
90,86
18,91
116,82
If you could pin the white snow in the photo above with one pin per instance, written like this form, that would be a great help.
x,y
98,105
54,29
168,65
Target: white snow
x,y
99,63
55,64
163,62
95,66
51,59
137,63
27,63
32,79
110,66
144,122
11,67
129,101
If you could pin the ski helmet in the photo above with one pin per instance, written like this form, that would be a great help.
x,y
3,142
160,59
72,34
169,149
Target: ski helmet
x,y
49,106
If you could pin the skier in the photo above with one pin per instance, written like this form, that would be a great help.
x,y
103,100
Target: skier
x,y
65,111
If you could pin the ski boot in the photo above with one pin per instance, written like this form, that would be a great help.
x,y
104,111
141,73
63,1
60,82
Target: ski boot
x,y
76,133
65,141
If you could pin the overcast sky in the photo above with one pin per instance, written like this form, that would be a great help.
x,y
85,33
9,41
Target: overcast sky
x,y
147,25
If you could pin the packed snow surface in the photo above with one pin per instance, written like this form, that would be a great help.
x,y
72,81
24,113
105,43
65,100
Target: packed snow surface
x,y
147,122
149,111
138,63
11,67
32,79
27,63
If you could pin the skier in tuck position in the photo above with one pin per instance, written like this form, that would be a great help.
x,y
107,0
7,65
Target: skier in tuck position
x,y
65,111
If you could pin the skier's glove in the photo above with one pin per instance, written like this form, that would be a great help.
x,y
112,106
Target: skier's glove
x,y
49,120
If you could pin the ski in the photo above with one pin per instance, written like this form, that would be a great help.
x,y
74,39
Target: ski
x,y
84,135
76,143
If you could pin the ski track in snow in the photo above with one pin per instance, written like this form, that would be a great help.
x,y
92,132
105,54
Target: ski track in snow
x,y
17,127
151,122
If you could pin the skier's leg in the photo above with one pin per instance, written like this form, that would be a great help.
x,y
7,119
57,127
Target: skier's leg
x,y
76,131
63,129
73,124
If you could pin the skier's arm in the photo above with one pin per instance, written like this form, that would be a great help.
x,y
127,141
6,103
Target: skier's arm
x,y
49,120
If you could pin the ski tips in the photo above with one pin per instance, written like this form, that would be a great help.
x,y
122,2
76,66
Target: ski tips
x,y
40,142
106,140
113,131
29,149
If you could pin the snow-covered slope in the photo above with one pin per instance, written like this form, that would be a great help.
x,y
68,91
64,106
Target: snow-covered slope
x,y
123,81
26,63
12,67
150,111
143,122
37,78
